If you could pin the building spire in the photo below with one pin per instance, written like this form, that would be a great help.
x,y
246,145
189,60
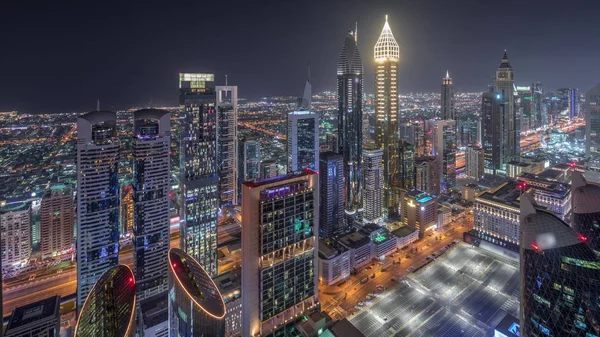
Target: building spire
x,y
447,75
356,32
98,105
386,46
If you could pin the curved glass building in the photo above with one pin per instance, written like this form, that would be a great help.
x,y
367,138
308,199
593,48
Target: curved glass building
x,y
196,307
560,277
109,309
586,209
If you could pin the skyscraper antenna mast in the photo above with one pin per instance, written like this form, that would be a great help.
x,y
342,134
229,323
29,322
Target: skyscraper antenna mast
x,y
98,105
356,32
225,81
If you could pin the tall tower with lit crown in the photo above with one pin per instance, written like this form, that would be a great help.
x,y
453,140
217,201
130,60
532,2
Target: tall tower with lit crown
x,y
387,57
511,125
447,99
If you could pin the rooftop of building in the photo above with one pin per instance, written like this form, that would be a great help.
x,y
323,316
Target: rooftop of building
x,y
344,328
44,309
354,240
267,181
549,186
14,207
420,196
518,163
508,194
155,310
330,248
404,231
551,174
509,326
561,166
229,281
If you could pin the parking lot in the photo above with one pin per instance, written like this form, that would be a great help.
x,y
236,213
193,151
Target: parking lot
x,y
465,292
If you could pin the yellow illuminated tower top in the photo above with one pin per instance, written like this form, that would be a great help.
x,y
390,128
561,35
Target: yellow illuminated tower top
x,y
386,47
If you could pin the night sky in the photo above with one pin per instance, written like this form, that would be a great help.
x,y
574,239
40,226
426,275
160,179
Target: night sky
x,y
57,56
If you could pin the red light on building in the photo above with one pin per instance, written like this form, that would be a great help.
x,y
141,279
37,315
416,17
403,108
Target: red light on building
x,y
582,237
572,164
131,280
535,246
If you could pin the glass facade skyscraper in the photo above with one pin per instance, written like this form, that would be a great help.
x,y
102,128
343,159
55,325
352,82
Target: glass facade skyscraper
x,y
592,121
350,121
199,169
303,141
248,162
332,191
510,135
227,112
97,198
560,277
586,209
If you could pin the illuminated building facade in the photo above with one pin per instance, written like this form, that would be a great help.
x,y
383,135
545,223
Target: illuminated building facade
x,y
15,221
199,169
334,262
586,209
444,148
553,195
126,210
447,99
151,188
227,112
419,210
492,123
373,186
37,319
280,221
592,121
560,274
248,162
332,194
387,57
303,141
427,174
58,213
475,162
230,286
196,307
406,164
350,120
268,169
510,135
97,199
109,309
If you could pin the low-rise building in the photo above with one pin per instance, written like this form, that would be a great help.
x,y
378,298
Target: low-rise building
x,y
384,243
359,245
38,319
419,210
405,235
444,216
515,168
470,191
334,262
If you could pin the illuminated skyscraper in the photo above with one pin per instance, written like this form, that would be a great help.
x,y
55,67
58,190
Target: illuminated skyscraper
x,y
331,179
387,57
475,162
427,174
504,88
586,209
227,112
57,221
199,169
447,101
592,121
491,122
406,163
350,120
15,221
196,306
373,186
151,188
280,223
303,135
97,199
560,274
109,309
248,162
444,147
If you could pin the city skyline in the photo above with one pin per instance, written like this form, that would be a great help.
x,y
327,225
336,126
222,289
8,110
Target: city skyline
x,y
126,76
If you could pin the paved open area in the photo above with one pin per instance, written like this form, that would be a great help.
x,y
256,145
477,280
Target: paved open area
x,y
464,292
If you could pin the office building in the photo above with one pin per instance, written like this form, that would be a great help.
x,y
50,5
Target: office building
x,y
227,112
387,57
475,162
303,135
419,210
57,216
373,185
360,247
586,209
406,164
109,310
15,221
427,174
280,221
568,102
559,277
334,262
97,199
504,88
151,188
383,242
268,169
153,318
555,196
248,162
523,106
196,307
538,112
199,169
350,120
592,121
37,319
230,286
444,147
491,122
331,188
447,99
405,235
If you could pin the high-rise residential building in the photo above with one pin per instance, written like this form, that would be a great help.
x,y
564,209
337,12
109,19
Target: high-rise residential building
x,y
15,221
444,147
419,210
387,57
350,120
331,188
196,306
199,169
586,209
406,163
151,188
559,277
524,106
57,221
268,169
303,135
109,309
592,121
373,186
427,174
227,112
37,319
280,222
492,124
504,88
447,99
248,163
97,199
475,162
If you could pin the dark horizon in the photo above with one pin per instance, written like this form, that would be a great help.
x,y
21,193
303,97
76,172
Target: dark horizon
x,y
61,57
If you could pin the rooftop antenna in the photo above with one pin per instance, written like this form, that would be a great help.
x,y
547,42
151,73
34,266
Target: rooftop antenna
x,y
308,71
98,105
226,81
356,32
